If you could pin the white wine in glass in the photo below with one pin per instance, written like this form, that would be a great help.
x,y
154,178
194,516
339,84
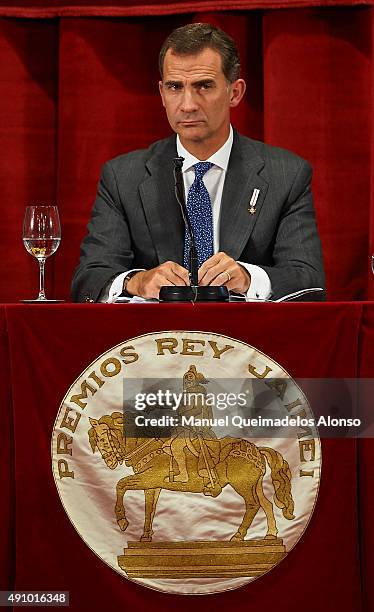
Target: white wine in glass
x,y
41,238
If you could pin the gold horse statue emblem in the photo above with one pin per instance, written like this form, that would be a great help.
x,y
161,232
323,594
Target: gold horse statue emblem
x,y
193,460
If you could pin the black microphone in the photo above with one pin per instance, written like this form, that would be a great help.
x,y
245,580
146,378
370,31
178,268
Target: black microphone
x,y
193,292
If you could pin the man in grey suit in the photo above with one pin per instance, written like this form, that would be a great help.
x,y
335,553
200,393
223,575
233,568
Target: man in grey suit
x,y
259,236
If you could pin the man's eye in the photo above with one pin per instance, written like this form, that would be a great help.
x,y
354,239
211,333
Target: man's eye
x,y
205,85
174,86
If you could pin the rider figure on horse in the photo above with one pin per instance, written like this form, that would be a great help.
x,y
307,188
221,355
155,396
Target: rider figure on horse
x,y
200,440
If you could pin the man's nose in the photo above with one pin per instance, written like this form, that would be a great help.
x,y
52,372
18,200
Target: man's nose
x,y
188,102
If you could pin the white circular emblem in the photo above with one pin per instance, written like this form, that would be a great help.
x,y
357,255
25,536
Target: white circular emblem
x,y
187,461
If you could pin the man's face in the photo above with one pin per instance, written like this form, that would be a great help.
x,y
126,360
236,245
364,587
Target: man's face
x,y
197,96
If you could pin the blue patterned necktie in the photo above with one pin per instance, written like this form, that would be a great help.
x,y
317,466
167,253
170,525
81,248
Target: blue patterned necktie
x,y
199,209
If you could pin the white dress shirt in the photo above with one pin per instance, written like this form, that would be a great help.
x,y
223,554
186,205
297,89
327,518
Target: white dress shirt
x,y
214,179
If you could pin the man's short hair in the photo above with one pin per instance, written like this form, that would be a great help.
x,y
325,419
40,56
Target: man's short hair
x,y
193,38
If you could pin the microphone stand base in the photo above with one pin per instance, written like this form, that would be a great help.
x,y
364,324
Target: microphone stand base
x,y
171,293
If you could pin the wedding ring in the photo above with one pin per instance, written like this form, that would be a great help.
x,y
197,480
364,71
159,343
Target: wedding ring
x,y
228,276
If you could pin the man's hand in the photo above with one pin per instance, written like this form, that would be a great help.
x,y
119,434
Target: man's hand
x,y
220,269
147,284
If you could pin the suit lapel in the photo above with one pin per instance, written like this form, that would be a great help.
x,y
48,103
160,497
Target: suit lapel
x,y
160,205
242,178
162,211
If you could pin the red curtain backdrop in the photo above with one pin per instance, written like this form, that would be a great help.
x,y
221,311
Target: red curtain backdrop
x,y
52,8
75,91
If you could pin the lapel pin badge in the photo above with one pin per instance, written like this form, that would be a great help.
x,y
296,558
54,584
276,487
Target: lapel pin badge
x,y
252,205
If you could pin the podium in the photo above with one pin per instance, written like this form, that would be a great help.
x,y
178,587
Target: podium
x,y
45,348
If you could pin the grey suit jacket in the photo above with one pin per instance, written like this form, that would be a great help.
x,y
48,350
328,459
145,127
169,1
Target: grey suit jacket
x,y
136,221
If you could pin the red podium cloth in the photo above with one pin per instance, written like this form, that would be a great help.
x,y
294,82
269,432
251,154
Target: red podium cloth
x,y
366,463
6,464
50,346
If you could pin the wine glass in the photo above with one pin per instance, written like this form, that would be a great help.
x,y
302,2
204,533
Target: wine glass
x,y
41,238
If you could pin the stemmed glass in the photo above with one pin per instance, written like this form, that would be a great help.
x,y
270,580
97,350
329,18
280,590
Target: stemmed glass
x,y
41,238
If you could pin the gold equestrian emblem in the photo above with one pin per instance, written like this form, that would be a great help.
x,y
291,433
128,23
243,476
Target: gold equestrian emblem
x,y
202,502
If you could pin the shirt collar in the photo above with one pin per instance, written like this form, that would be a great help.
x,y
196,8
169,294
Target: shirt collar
x,y
220,158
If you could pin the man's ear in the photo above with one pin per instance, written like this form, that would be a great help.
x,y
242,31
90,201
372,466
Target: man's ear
x,y
161,90
237,91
